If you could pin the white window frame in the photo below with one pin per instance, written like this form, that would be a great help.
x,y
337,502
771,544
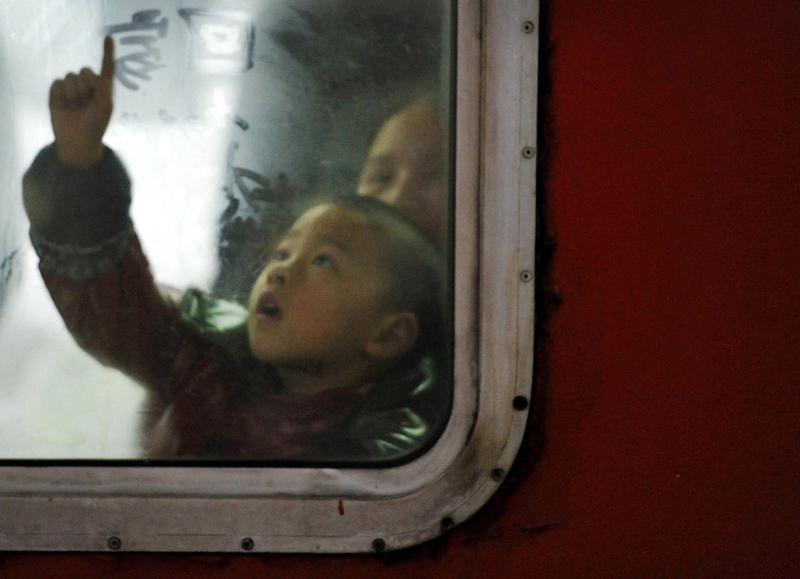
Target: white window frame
x,y
331,510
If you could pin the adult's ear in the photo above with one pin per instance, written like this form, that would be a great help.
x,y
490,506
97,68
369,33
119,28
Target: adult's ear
x,y
395,335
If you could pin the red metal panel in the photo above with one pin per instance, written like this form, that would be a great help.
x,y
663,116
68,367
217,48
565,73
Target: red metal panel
x,y
672,366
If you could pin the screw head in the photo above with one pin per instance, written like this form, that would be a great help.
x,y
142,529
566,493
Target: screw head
x,y
528,152
378,545
248,544
525,276
498,474
528,27
520,403
448,523
114,543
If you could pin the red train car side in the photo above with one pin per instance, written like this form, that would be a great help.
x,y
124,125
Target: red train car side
x,y
665,441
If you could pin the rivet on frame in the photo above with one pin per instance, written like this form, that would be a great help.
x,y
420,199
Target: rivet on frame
x,y
528,27
248,544
520,403
448,523
378,545
525,276
528,152
114,543
498,474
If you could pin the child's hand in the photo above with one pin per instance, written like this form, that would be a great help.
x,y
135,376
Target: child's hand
x,y
80,109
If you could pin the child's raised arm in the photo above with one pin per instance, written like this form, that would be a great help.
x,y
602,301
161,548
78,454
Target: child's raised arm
x,y
77,197
80,109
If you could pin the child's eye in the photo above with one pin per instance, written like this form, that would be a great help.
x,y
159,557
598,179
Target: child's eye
x,y
323,260
279,255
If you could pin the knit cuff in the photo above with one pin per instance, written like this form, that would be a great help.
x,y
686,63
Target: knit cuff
x,y
79,216
81,262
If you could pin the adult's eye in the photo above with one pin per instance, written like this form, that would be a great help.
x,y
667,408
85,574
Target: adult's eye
x,y
383,178
433,175
377,177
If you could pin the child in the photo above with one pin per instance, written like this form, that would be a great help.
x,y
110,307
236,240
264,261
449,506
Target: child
x,y
326,364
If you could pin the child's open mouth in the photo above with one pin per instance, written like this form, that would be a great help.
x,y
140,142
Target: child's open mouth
x,y
268,307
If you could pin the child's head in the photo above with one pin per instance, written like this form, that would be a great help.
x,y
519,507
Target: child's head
x,y
406,167
352,284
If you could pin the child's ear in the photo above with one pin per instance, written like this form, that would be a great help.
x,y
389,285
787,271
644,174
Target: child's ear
x,y
394,337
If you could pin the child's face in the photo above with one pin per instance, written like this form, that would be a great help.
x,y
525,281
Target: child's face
x,y
406,168
319,298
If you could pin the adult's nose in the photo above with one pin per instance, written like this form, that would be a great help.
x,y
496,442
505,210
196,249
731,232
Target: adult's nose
x,y
401,194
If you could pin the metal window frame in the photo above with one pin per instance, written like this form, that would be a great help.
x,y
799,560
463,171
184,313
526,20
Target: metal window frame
x,y
135,508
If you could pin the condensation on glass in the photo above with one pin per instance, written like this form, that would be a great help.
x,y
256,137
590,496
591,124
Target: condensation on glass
x,y
229,117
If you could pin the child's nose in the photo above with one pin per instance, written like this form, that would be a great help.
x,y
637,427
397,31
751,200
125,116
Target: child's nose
x,y
276,278
277,275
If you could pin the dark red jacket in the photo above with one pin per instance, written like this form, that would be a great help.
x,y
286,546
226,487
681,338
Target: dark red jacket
x,y
208,397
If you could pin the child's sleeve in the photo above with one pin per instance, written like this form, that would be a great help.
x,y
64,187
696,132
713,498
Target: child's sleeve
x,y
79,217
93,265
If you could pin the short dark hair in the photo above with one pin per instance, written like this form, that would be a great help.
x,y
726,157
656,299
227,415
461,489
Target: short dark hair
x,y
413,266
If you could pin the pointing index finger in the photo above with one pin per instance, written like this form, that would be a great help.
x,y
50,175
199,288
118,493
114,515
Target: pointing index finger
x,y
107,69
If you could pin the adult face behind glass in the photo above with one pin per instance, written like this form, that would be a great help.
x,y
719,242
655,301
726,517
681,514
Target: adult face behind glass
x,y
406,167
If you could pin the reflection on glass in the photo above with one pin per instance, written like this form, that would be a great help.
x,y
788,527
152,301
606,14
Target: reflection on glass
x,y
288,174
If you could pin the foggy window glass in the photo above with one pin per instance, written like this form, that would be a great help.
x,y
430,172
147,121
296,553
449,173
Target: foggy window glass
x,y
289,172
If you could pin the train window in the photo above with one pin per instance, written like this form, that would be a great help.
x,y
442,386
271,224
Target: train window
x,y
366,168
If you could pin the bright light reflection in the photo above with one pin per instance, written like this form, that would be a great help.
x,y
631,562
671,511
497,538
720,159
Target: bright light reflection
x,y
56,401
